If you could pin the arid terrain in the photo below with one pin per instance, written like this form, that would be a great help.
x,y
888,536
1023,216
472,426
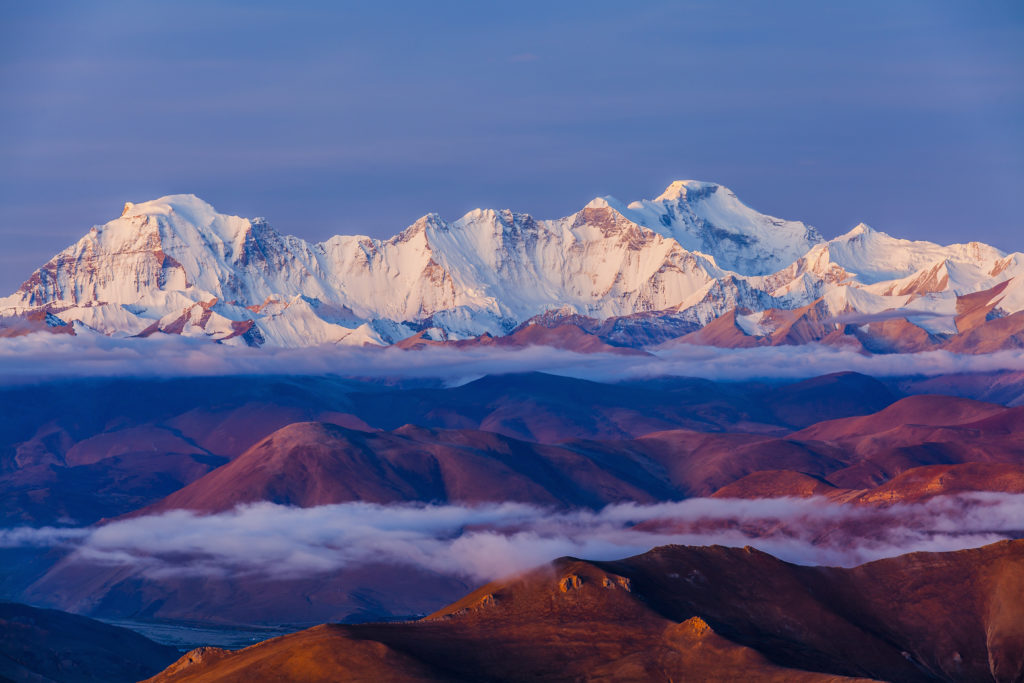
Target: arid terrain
x,y
842,468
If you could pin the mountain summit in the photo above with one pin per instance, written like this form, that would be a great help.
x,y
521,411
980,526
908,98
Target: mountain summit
x,y
663,267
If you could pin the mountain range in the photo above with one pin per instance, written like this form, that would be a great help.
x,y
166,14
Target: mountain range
x,y
694,264
158,503
101,452
218,510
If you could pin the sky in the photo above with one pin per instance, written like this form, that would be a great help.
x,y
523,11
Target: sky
x,y
359,117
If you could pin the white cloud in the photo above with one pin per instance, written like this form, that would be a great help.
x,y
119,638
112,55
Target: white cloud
x,y
43,356
489,541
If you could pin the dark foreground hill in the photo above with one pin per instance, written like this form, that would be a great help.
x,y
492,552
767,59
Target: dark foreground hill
x,y
682,613
43,645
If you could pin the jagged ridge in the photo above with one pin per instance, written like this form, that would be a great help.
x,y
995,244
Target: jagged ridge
x,y
653,270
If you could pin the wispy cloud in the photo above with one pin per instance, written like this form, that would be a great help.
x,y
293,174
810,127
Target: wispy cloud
x,y
490,541
43,356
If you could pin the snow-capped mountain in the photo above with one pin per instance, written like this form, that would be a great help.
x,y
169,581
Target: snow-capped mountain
x,y
709,218
174,265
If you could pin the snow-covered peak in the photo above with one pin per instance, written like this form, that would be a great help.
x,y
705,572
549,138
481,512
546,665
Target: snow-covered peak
x,y
856,231
424,224
191,207
608,202
709,218
874,256
478,214
175,265
682,189
185,215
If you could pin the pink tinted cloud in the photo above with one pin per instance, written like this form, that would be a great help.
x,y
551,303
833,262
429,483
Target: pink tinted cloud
x,y
490,541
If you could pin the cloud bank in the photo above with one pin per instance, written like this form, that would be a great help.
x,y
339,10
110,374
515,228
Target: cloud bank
x,y
40,357
490,541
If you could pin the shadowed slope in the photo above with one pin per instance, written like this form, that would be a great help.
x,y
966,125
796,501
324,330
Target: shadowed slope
x,y
550,409
44,645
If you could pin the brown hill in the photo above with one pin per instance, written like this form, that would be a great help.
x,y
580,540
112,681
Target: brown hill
x,y
78,451
810,323
973,310
927,410
993,335
723,332
850,453
973,446
777,484
43,645
916,431
980,332
678,612
311,463
921,483
911,486
1005,387
83,450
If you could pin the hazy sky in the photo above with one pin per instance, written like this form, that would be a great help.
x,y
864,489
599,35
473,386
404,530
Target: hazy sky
x,y
359,117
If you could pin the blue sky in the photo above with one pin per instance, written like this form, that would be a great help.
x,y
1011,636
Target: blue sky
x,y
361,116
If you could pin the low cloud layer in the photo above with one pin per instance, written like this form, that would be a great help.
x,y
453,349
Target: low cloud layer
x,y
489,541
42,357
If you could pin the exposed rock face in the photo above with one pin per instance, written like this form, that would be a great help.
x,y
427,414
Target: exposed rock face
x,y
659,268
